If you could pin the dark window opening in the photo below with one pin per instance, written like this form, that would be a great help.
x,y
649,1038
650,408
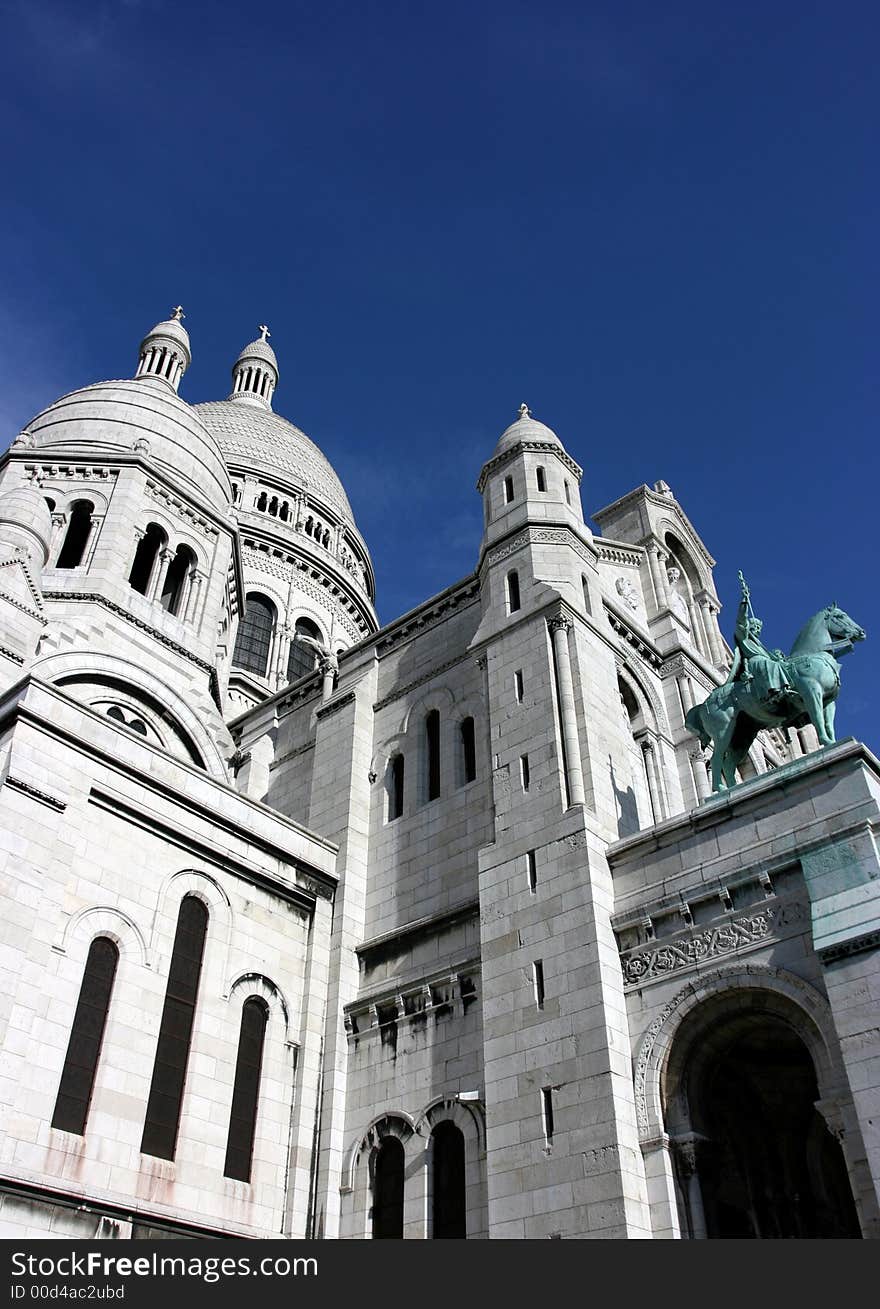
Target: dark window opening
x,y
547,1113
395,807
512,592
518,685
567,494
86,1037
449,1191
78,531
175,579
388,1190
508,490
586,588
149,546
254,636
301,659
524,771
246,1091
541,479
50,502
532,870
468,750
432,736
175,1031
538,973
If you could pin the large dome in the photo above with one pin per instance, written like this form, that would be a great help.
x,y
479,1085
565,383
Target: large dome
x,y
144,416
254,437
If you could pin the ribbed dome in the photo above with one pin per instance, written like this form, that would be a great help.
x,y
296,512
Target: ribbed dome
x,y
258,349
171,329
109,418
253,437
526,428
25,510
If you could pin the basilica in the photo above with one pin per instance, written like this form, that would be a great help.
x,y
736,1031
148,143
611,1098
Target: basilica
x,y
316,928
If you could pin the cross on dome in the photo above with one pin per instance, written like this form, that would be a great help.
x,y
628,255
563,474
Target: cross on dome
x,y
177,313
525,411
264,332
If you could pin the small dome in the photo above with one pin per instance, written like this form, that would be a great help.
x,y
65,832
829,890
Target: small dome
x,y
258,349
143,417
526,428
171,329
165,352
25,510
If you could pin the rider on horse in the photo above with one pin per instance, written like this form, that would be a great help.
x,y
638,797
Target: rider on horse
x,y
763,671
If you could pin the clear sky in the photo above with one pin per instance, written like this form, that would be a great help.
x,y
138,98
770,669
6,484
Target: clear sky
x,y
656,223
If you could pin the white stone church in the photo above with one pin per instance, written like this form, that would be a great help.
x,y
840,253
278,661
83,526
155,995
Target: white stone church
x,y
316,928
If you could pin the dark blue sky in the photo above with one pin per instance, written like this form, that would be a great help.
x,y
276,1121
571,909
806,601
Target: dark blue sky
x,y
654,222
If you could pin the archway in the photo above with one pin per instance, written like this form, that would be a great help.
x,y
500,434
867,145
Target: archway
x,y
754,1157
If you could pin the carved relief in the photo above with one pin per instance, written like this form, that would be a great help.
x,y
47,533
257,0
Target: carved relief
x,y
680,952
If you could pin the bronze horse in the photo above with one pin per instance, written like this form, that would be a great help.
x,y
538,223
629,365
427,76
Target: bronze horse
x,y
732,716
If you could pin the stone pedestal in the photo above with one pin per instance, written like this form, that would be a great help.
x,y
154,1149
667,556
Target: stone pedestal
x,y
765,898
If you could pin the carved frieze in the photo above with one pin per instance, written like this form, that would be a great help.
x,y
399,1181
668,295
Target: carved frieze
x,y
688,949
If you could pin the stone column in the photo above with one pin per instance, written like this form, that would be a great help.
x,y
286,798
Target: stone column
x,y
574,775
654,790
686,1161
192,599
710,627
701,777
160,564
662,1188
657,565
686,691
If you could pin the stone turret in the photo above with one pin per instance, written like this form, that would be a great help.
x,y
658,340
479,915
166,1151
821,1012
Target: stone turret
x,y
165,351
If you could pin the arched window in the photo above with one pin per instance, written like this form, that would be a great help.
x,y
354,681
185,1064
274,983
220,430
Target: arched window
x,y
448,1190
246,1090
148,548
468,750
432,748
174,585
586,589
541,479
395,787
512,583
50,502
254,637
86,1036
301,659
78,530
175,1031
388,1190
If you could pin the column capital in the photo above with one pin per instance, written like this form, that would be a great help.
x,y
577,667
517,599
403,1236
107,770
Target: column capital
x,y
560,623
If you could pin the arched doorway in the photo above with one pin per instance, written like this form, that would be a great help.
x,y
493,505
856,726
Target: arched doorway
x,y
754,1157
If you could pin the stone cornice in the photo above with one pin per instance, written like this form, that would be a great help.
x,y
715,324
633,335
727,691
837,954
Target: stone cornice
x,y
42,797
644,648
533,534
333,706
542,447
434,611
401,691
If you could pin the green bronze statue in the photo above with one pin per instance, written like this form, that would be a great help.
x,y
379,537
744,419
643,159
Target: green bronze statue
x,y
766,688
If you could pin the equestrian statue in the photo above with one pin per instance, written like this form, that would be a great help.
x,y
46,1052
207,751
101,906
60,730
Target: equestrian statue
x,y
766,688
